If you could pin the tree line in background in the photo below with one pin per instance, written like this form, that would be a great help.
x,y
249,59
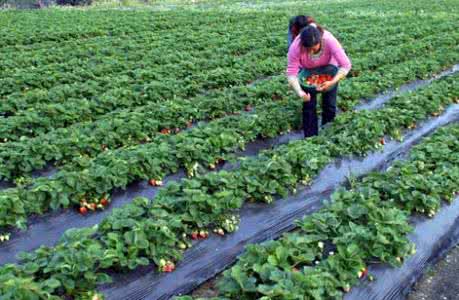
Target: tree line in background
x,y
31,4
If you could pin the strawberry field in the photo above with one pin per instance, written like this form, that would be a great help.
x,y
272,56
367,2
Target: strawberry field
x,y
145,152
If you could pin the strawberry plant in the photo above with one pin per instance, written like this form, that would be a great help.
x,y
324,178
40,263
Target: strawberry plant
x,y
363,224
144,232
98,114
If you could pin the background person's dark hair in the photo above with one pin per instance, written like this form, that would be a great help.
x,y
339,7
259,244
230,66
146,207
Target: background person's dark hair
x,y
298,23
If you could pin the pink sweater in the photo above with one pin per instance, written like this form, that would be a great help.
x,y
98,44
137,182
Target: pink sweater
x,y
331,53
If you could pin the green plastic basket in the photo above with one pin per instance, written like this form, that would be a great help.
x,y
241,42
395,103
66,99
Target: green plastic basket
x,y
305,73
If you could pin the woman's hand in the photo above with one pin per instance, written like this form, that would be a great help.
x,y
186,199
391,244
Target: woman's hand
x,y
325,86
328,84
305,96
295,84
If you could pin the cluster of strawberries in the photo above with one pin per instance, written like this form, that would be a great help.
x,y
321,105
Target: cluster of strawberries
x,y
317,80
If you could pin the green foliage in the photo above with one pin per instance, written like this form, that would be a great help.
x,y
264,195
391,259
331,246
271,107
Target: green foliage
x,y
145,232
366,223
106,102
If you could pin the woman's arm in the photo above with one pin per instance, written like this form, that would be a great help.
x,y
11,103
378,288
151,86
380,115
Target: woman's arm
x,y
293,67
344,63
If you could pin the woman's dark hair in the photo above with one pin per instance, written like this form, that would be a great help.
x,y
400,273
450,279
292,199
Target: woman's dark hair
x,y
310,36
298,23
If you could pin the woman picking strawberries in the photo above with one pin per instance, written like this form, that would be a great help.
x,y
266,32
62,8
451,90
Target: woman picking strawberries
x,y
317,51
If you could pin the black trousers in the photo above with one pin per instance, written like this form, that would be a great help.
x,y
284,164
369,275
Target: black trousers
x,y
310,119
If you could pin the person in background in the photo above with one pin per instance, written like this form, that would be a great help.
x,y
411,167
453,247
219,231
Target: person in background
x,y
296,25
312,49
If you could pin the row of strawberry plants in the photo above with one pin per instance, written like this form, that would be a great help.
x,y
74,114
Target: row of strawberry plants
x,y
47,116
14,127
73,71
57,192
50,111
28,79
123,23
389,77
162,57
103,76
22,101
128,128
20,158
57,26
29,75
195,41
147,21
109,47
42,101
365,223
144,232
409,48
164,154
219,22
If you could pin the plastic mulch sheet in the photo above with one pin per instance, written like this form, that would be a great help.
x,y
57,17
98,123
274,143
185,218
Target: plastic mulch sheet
x,y
260,222
433,239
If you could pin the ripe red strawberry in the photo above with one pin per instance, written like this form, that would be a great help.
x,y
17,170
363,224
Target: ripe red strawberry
x,y
364,272
169,267
83,210
165,131
194,235
154,182
382,141
104,201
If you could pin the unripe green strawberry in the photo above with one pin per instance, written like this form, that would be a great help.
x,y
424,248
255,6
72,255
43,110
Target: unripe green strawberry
x,y
162,262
